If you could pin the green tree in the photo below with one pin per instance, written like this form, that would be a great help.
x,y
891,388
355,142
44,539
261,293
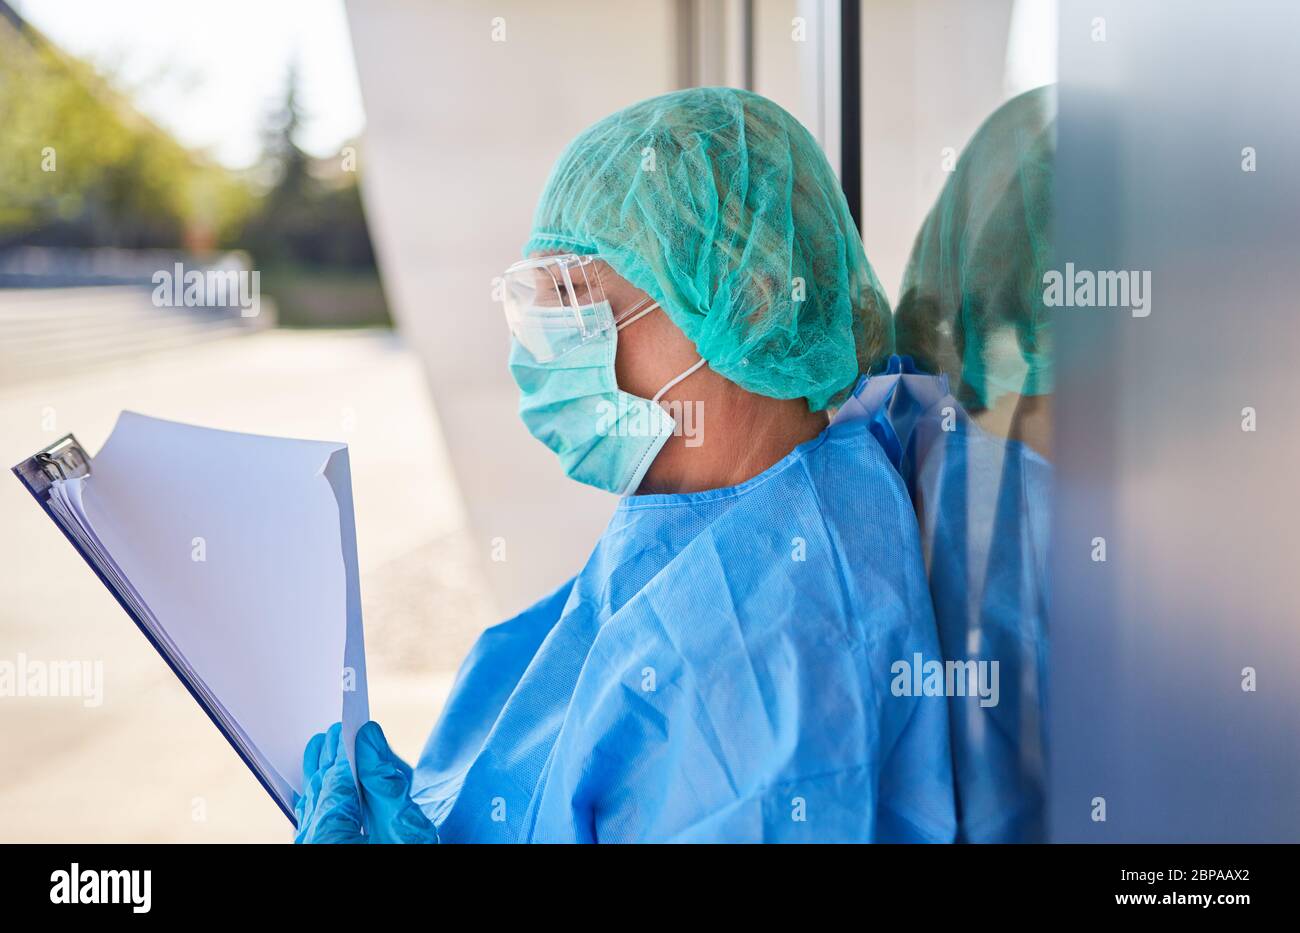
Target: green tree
x,y
307,217
80,167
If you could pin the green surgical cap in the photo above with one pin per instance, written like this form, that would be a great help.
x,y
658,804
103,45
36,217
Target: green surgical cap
x,y
972,297
722,207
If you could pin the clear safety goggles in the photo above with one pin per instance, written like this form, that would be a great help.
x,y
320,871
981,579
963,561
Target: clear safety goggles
x,y
555,304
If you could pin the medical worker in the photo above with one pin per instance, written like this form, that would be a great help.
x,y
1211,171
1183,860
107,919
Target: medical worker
x,y
725,666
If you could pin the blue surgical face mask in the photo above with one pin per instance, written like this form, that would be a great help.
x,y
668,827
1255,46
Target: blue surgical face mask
x,y
604,437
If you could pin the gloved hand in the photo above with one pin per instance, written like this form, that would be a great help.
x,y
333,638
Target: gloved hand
x,y
328,810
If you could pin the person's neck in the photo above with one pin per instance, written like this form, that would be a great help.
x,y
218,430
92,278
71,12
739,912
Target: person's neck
x,y
747,436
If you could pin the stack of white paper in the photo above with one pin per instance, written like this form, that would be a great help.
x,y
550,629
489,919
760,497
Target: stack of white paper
x,y
237,553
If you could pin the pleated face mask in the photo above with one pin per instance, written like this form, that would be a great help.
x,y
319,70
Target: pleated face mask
x,y
604,437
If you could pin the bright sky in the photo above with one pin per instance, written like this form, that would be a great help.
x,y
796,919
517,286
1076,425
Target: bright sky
x,y
208,70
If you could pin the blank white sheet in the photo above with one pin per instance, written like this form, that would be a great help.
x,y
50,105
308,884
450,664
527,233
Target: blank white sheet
x,y
244,550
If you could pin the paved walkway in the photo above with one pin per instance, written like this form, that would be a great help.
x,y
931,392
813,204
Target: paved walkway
x,y
147,765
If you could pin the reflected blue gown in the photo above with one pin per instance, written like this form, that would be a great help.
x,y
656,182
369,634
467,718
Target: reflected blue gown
x,y
984,508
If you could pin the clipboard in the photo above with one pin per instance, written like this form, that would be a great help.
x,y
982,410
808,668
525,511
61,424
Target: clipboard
x,y
66,460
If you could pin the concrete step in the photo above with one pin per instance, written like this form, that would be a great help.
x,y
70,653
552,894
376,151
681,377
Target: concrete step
x,y
71,329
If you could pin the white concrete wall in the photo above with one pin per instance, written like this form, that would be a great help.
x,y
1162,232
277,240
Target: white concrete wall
x,y
778,58
932,71
461,133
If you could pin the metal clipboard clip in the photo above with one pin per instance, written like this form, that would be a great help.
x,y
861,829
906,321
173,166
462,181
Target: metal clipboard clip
x,y
64,459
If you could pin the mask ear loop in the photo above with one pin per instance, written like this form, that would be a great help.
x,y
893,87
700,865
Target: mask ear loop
x,y
660,393
636,312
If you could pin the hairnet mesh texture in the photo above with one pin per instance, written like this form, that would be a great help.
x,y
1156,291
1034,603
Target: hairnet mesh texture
x,y
972,298
722,207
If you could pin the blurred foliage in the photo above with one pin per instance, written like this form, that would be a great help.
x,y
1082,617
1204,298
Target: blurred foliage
x,y
120,181
316,296
79,167
308,232
311,215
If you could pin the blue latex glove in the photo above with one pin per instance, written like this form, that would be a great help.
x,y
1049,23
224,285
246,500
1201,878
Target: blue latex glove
x,y
328,810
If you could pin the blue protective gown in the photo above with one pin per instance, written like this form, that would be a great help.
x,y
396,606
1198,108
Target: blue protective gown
x,y
984,508
720,670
